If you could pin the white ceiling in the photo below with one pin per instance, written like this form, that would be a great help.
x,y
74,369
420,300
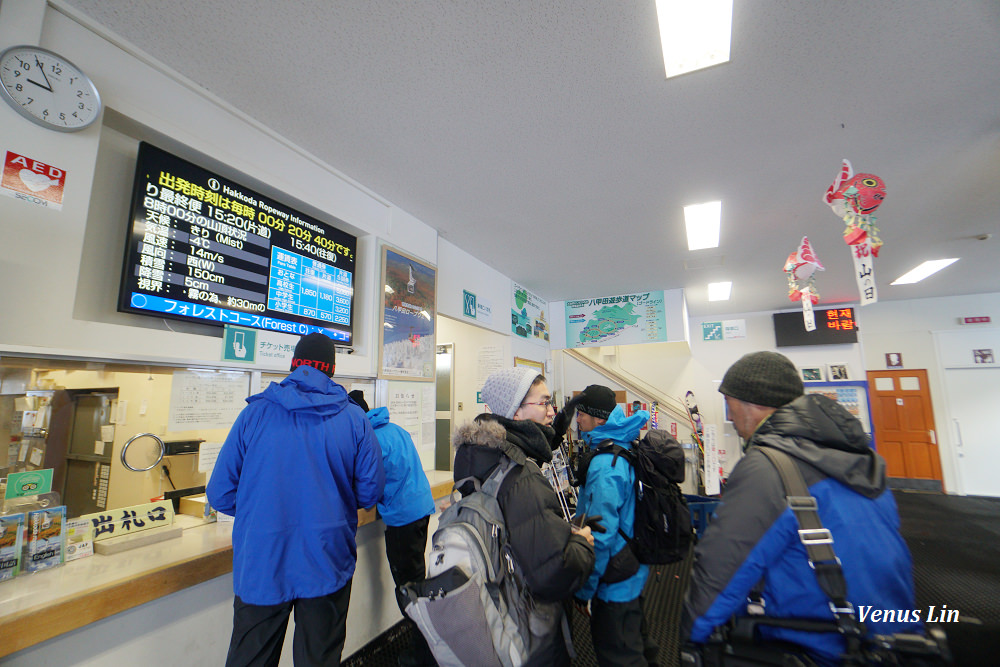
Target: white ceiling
x,y
542,137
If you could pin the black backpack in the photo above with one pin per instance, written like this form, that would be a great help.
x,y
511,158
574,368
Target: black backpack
x,y
662,526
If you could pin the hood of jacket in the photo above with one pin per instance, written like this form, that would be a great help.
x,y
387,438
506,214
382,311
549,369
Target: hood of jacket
x,y
306,389
821,432
480,443
619,428
378,417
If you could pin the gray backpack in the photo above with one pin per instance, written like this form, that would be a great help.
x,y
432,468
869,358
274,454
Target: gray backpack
x,y
474,608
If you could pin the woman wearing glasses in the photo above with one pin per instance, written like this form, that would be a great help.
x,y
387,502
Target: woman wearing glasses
x,y
555,557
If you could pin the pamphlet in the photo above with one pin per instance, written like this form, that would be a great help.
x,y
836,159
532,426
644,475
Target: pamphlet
x,y
44,548
11,530
79,539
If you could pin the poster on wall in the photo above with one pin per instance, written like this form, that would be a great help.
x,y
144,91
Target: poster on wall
x,y
626,319
527,316
852,394
408,316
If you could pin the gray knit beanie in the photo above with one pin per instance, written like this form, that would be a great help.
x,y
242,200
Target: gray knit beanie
x,y
763,378
504,390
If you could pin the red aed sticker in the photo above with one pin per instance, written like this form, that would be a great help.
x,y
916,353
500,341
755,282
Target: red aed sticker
x,y
33,181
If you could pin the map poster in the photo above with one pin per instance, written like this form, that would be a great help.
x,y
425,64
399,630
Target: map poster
x,y
527,315
628,319
409,311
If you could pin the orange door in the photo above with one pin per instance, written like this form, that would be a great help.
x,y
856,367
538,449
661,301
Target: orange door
x,y
903,420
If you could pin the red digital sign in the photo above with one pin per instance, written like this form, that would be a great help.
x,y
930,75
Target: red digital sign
x,y
839,318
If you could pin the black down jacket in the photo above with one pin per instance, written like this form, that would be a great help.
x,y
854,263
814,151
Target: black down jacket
x,y
555,562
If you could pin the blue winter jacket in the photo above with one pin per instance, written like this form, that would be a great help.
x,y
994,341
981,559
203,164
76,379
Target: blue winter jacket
x,y
610,492
298,463
407,496
754,536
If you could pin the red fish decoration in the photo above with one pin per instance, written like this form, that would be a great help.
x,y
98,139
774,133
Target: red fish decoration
x,y
854,198
800,266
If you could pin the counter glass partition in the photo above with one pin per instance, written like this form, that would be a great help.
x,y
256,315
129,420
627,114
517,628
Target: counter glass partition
x,y
76,418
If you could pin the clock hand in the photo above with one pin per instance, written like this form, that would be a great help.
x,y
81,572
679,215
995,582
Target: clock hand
x,y
41,68
48,88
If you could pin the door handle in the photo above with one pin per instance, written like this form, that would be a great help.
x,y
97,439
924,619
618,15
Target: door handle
x,y
933,436
958,433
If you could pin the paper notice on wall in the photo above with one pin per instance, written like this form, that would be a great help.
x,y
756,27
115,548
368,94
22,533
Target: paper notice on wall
x,y
208,452
491,359
206,399
712,467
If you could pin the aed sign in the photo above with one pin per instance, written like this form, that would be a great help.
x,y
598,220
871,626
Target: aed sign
x,y
32,181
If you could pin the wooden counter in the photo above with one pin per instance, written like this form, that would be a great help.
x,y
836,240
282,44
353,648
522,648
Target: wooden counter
x,y
37,607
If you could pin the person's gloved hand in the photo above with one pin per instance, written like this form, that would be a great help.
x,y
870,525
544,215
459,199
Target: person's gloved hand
x,y
595,525
561,422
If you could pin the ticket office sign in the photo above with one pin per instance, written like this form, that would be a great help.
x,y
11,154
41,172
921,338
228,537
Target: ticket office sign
x,y
204,248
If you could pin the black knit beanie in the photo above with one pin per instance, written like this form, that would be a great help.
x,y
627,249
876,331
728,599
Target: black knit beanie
x,y
597,401
316,350
763,378
358,397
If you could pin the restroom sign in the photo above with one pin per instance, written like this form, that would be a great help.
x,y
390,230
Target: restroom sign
x,y
32,181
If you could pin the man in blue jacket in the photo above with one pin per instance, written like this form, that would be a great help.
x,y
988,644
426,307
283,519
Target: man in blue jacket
x,y
299,462
616,582
405,507
754,537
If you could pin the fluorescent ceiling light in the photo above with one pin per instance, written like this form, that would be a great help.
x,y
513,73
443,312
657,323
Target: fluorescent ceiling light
x,y
928,268
703,222
719,291
694,34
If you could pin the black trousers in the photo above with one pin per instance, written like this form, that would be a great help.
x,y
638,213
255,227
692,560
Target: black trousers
x,y
320,631
404,549
619,633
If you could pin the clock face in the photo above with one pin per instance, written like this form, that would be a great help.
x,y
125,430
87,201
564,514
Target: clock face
x,y
48,89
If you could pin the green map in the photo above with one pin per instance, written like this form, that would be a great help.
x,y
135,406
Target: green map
x,y
520,298
607,321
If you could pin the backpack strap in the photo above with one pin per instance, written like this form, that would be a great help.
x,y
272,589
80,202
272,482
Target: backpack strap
x,y
818,542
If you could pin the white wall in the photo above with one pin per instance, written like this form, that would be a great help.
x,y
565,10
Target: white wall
x,y
909,327
66,264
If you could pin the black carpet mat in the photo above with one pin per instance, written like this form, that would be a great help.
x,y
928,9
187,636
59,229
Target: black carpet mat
x,y
955,544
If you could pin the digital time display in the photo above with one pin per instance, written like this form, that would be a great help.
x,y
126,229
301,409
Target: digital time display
x,y
203,248
833,326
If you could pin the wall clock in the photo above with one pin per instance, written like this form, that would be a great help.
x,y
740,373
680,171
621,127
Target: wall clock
x,y
47,89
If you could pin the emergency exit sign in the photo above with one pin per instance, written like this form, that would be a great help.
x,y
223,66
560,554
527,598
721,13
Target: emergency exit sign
x,y
983,319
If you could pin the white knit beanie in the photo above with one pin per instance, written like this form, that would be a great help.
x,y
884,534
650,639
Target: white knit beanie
x,y
504,390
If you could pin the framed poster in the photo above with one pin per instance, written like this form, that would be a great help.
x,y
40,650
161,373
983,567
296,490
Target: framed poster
x,y
812,373
521,362
408,317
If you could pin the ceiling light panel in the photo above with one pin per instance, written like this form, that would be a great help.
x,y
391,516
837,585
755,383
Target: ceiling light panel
x,y
703,222
694,34
719,291
928,268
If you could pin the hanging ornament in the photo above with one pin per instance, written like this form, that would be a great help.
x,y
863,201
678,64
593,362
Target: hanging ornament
x,y
800,267
854,199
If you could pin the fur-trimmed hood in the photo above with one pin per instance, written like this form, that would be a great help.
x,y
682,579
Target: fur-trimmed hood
x,y
480,444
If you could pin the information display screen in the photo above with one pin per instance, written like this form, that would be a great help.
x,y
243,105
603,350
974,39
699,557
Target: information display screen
x,y
203,248
833,326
